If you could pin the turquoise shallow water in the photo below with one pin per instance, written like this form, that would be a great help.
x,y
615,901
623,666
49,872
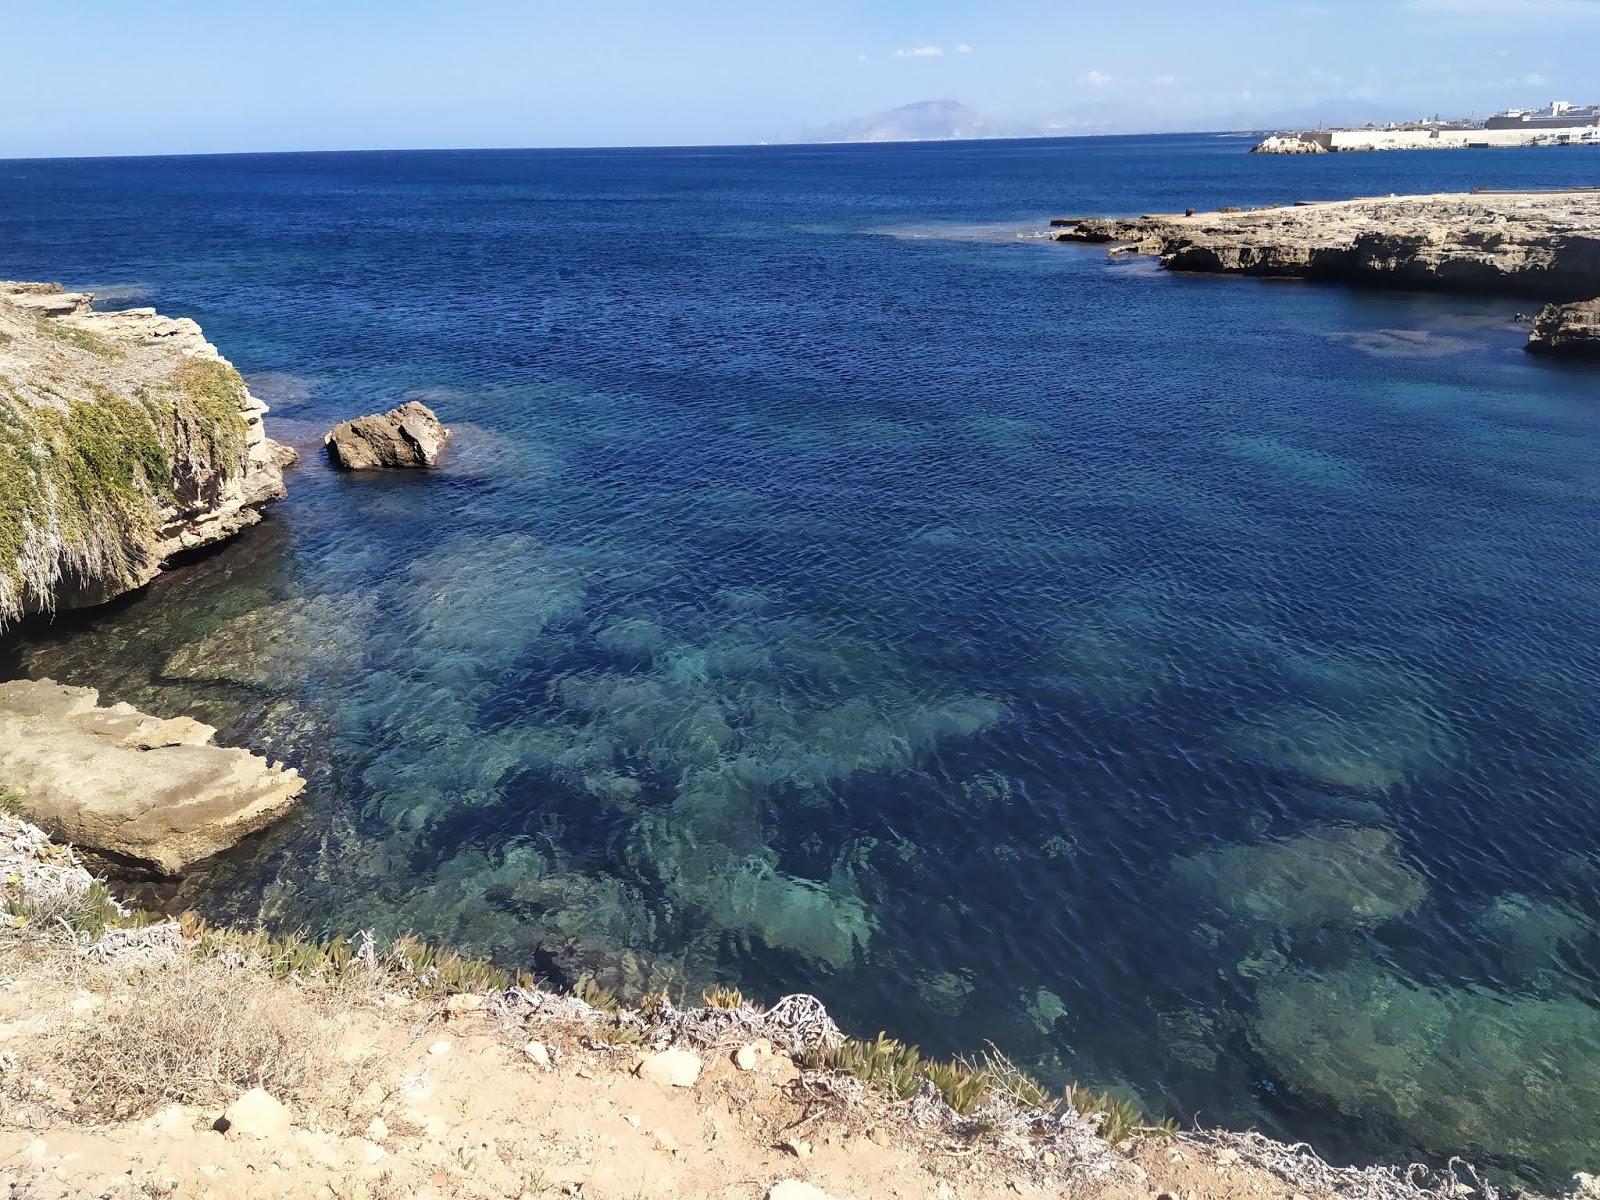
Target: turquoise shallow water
x,y
1188,684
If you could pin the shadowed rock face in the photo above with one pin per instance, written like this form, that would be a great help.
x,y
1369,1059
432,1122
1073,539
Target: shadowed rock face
x,y
1542,244
1569,329
408,436
152,792
125,438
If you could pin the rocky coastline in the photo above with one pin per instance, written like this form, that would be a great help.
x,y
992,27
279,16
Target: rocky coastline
x,y
144,792
1567,329
125,439
133,439
143,1057
1544,245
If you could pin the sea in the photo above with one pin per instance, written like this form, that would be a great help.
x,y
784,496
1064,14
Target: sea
x,y
1184,686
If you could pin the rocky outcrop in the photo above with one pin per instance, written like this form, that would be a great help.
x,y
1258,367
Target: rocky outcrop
x,y
1570,329
1279,144
408,436
150,792
125,438
1545,244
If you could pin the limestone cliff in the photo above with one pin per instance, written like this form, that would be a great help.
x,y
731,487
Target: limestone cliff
x,y
1567,329
1544,244
124,438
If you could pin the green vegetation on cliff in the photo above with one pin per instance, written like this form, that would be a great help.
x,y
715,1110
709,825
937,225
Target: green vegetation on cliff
x,y
90,471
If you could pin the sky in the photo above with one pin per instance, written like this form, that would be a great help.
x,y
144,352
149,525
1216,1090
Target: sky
x,y
91,77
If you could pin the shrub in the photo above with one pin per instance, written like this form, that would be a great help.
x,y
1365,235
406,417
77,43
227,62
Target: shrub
x,y
190,1033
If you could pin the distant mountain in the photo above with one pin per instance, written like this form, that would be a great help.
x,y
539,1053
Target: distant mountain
x,y
925,121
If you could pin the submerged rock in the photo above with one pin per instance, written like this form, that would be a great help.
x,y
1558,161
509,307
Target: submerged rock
x,y
1326,877
1568,329
1531,934
407,436
153,792
1462,1070
125,438
277,646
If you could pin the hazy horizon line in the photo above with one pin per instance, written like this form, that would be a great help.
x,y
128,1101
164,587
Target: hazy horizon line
x,y
771,143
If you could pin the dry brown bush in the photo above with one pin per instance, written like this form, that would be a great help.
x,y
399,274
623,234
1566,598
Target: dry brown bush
x,y
188,1033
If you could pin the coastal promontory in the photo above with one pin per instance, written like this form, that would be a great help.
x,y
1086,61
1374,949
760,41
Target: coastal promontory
x,y
1568,329
1542,244
125,439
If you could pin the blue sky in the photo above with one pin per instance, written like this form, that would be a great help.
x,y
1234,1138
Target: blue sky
x,y
167,76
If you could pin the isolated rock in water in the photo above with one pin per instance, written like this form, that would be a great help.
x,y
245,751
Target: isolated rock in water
x,y
257,1113
1567,329
408,436
671,1068
154,792
1288,145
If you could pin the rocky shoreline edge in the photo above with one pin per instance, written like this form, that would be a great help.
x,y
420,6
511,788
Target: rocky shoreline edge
x,y
1544,245
148,1057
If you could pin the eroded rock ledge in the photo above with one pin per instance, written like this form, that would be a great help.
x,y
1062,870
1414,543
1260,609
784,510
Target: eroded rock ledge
x,y
124,438
1543,244
151,792
1572,329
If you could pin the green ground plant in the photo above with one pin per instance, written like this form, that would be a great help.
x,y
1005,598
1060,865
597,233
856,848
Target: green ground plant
x,y
900,1070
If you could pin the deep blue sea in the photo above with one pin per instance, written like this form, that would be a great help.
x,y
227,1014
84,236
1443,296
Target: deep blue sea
x,y
1190,685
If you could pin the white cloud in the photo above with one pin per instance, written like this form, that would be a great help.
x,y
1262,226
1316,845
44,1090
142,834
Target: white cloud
x,y
1097,79
1534,79
863,57
1163,81
963,48
921,52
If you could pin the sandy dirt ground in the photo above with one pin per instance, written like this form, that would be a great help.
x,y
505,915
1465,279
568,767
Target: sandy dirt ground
x,y
446,1098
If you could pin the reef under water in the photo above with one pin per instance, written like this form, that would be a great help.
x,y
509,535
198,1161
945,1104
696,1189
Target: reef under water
x,y
1167,680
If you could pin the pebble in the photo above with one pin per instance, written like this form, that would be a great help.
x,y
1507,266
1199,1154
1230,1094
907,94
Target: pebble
x,y
257,1114
439,1048
1226,1157
752,1054
171,1121
795,1189
539,1054
670,1068
796,1147
463,1002
377,1130
665,1141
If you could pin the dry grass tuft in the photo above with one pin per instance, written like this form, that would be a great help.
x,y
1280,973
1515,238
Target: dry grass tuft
x,y
189,1033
